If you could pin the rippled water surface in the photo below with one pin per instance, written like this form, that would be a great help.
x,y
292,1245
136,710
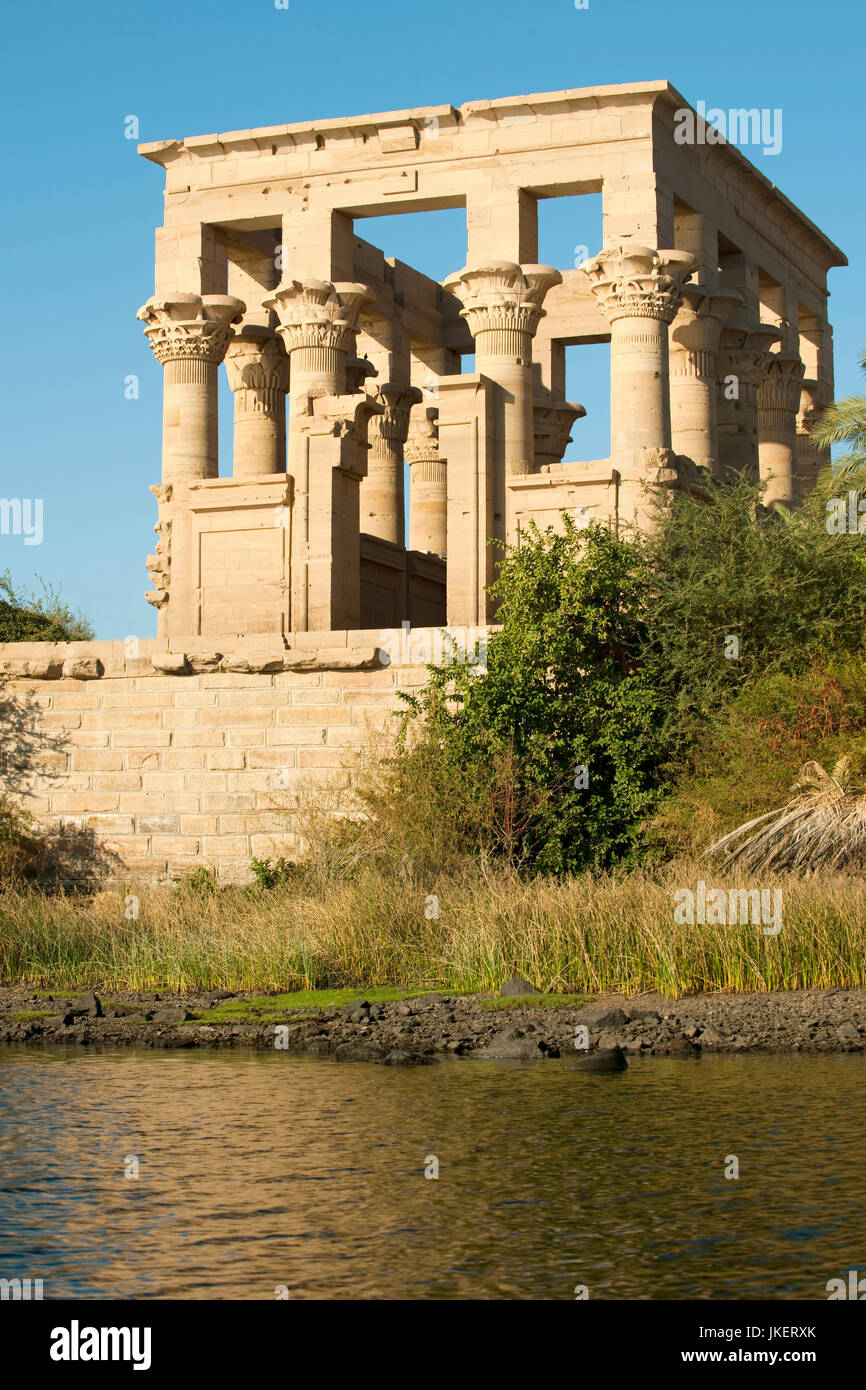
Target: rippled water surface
x,y
266,1170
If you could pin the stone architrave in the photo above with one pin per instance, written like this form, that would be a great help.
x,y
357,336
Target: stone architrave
x,y
694,342
382,490
639,290
428,492
778,406
257,368
503,303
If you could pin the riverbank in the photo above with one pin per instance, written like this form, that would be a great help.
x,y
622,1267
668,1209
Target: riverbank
x,y
422,1028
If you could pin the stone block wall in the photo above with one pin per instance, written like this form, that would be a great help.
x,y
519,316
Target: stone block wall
x,y
153,775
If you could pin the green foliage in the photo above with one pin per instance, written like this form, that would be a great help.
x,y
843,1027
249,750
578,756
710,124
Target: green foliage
x,y
791,593
20,845
499,756
750,752
28,617
277,874
844,422
200,883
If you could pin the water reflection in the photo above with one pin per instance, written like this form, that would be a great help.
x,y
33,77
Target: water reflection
x,y
262,1170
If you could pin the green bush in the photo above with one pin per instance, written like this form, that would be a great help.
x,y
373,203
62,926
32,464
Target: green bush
x,y
28,617
614,655
790,593
551,757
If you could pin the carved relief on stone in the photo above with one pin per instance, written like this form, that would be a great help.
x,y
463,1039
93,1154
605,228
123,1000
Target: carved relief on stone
x,y
181,327
257,368
638,281
318,314
502,297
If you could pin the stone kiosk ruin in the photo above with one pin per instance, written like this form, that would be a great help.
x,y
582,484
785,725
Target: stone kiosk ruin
x,y
280,584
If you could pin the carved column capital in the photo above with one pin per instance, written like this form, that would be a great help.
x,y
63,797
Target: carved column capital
x,y
503,304
552,429
781,388
257,368
388,431
638,281
318,314
744,350
697,329
190,327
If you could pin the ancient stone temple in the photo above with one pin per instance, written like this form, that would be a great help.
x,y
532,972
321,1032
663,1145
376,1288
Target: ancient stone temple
x,y
345,366
299,589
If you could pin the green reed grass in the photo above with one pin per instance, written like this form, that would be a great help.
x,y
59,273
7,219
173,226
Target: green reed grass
x,y
579,935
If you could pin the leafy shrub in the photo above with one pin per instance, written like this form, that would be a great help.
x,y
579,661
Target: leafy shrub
x,y
28,617
278,873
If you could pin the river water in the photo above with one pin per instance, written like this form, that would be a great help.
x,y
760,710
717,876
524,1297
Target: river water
x,y
261,1175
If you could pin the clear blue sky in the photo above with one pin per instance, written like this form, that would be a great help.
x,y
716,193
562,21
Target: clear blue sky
x,y
81,206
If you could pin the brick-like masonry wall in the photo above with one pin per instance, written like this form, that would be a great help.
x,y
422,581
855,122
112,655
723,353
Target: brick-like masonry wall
x,y
169,773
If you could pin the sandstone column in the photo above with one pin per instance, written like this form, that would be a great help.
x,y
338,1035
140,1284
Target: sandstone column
x,y
694,341
639,290
778,404
318,323
428,495
503,304
189,334
742,363
382,490
258,372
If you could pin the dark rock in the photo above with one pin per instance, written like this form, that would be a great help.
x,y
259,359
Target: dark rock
x,y
215,995
511,1046
598,1016
358,1050
398,1058
172,1013
87,1006
847,1033
605,1059
517,987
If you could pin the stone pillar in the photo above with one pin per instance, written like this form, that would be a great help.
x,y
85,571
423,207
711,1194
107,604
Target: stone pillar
x,y
503,304
189,335
742,363
428,493
639,290
258,372
382,491
810,459
694,341
318,323
778,404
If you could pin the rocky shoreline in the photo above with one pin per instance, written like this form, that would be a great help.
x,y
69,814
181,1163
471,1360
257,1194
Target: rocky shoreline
x,y
421,1030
